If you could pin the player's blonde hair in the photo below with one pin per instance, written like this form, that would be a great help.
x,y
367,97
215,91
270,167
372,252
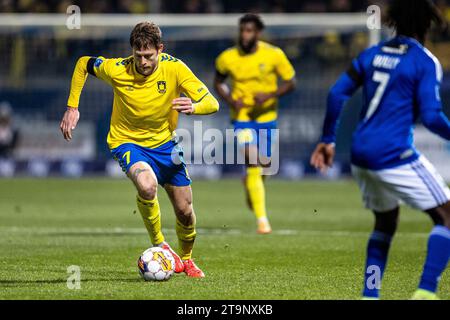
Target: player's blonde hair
x,y
146,35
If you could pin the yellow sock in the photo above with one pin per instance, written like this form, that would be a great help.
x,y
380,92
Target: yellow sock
x,y
186,237
255,189
151,215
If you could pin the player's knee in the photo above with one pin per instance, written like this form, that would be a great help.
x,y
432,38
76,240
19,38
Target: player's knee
x,y
148,191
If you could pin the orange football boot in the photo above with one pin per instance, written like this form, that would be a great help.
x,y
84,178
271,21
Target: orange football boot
x,y
179,266
192,270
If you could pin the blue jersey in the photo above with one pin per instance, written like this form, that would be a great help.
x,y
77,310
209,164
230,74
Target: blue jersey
x,y
401,81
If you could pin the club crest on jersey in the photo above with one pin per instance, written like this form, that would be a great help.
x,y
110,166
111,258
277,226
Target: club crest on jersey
x,y
162,87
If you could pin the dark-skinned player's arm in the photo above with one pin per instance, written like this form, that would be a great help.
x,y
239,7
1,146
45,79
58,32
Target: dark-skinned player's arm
x,y
323,156
220,85
224,91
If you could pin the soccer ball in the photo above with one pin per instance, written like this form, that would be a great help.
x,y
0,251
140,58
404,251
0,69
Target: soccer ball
x,y
156,264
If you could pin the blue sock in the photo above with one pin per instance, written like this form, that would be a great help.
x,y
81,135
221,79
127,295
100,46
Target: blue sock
x,y
377,254
437,258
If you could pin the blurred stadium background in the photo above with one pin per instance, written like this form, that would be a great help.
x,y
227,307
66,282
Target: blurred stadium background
x,y
39,53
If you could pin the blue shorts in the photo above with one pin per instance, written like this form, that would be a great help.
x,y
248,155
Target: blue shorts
x,y
166,161
256,133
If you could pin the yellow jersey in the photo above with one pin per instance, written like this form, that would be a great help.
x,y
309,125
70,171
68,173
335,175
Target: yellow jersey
x,y
253,73
142,109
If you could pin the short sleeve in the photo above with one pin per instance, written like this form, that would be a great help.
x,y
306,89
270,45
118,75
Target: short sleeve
x,y
283,66
189,84
221,65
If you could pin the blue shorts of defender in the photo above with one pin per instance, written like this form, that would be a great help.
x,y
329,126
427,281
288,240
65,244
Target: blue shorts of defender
x,y
256,133
166,161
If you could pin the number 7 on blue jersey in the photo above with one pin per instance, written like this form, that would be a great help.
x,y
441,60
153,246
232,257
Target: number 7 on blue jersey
x,y
383,79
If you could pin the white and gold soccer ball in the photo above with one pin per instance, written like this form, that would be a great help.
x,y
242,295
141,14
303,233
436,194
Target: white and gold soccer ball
x,y
156,264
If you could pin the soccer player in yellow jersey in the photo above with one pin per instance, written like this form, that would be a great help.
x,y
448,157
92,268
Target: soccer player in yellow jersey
x,y
255,68
147,88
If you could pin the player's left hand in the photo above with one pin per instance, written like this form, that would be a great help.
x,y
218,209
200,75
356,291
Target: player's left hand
x,y
261,98
323,156
183,105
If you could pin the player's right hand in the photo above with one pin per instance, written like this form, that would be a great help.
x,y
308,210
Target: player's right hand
x,y
323,156
69,122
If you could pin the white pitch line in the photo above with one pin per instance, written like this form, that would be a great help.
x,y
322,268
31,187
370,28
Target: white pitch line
x,y
204,231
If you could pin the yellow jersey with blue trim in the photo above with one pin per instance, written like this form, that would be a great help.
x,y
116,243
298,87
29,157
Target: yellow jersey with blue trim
x,y
142,108
254,73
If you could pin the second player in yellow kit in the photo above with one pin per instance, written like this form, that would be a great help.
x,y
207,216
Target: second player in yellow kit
x,y
147,88
252,76
255,69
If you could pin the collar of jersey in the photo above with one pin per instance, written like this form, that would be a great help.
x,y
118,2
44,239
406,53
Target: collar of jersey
x,y
258,48
410,40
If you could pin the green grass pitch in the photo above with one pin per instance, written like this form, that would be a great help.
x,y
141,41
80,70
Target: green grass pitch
x,y
316,252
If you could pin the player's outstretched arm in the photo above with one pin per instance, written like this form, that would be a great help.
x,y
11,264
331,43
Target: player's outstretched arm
x,y
323,156
72,115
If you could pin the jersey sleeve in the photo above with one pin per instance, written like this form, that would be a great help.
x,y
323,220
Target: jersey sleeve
x,y
428,87
78,80
103,68
204,102
356,70
189,84
429,100
339,94
99,67
283,66
221,65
